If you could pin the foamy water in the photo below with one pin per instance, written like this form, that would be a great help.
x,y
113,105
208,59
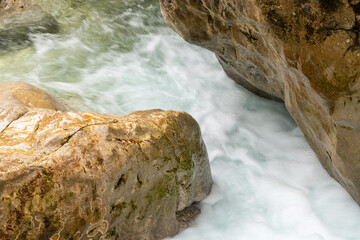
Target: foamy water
x,y
119,56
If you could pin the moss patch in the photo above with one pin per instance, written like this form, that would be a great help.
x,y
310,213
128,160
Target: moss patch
x,y
117,209
158,191
40,185
133,207
112,234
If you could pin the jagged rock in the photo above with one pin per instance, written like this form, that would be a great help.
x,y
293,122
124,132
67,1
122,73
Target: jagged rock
x,y
67,175
306,53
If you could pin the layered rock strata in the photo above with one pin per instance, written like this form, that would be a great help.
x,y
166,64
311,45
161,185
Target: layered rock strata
x,y
306,53
67,175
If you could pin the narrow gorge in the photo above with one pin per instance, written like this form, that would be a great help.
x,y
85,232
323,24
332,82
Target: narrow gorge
x,y
83,157
305,53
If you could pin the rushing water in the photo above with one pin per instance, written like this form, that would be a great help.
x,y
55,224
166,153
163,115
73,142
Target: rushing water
x,y
118,56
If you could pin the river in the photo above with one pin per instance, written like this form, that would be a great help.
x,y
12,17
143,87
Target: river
x,y
118,56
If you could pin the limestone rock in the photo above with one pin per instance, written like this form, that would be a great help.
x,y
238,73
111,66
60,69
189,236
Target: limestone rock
x,y
67,175
306,53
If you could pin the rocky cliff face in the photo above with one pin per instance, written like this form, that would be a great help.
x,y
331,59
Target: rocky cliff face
x,y
67,175
306,53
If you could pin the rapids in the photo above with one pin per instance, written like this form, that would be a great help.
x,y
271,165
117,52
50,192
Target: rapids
x,y
118,56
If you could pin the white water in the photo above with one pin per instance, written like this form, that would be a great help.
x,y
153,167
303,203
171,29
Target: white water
x,y
119,56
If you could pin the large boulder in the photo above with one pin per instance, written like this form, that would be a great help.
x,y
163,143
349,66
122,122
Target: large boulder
x,y
67,175
306,53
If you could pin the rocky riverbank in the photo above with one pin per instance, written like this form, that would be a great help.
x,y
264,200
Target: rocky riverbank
x,y
305,53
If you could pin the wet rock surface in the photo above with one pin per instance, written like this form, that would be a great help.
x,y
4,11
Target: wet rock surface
x,y
67,175
19,20
306,53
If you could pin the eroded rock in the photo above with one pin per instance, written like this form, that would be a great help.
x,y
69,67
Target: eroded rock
x,y
67,175
306,53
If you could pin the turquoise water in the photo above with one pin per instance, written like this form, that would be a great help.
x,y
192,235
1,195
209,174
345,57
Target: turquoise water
x,y
119,56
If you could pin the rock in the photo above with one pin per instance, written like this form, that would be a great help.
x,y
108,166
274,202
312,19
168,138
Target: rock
x,y
11,6
18,20
306,53
67,175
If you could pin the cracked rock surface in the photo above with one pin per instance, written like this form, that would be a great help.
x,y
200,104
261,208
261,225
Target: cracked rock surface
x,y
305,53
67,175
